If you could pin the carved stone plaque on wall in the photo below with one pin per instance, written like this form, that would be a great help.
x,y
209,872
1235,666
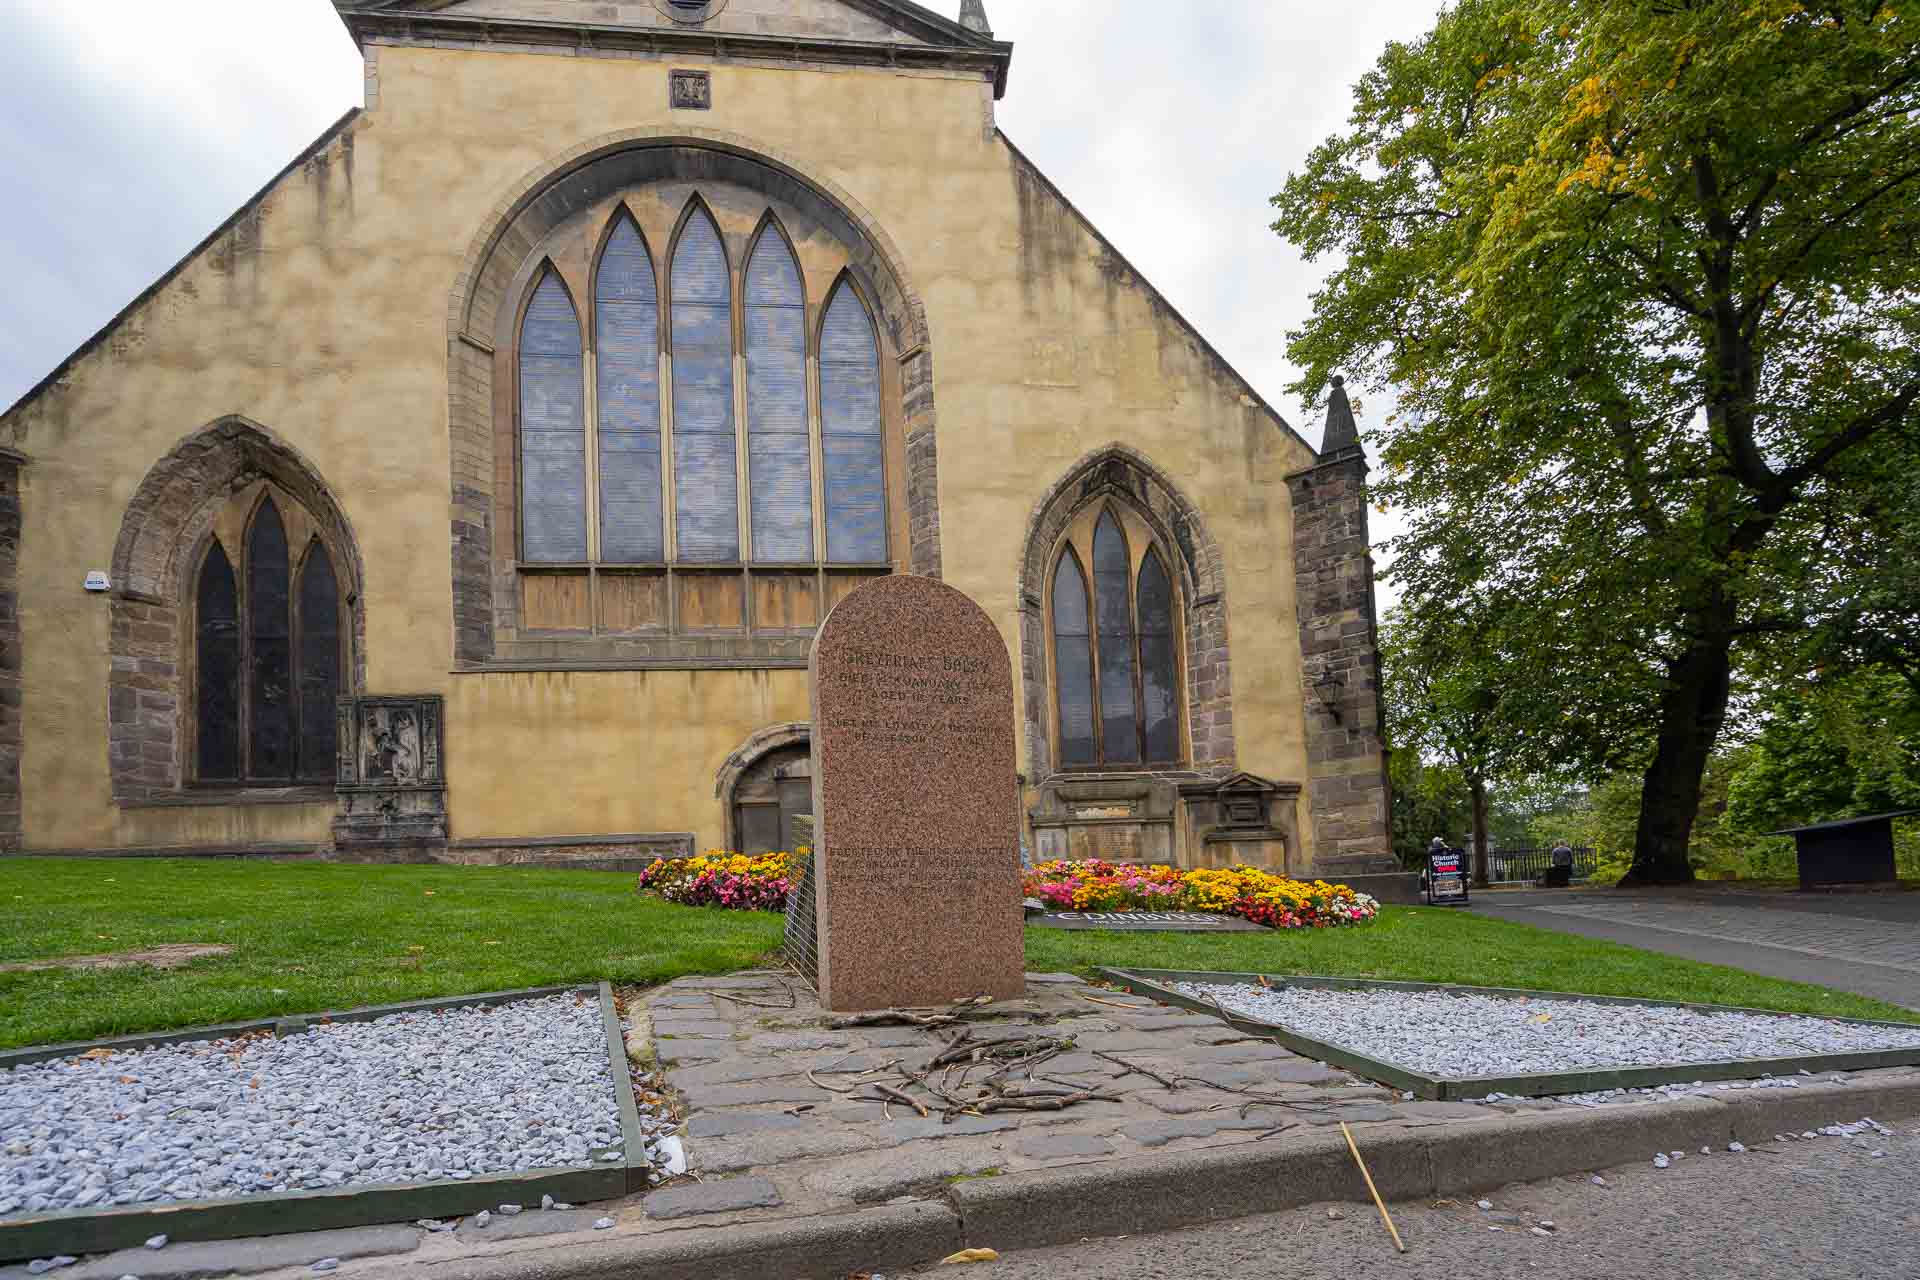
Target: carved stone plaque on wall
x,y
392,776
690,90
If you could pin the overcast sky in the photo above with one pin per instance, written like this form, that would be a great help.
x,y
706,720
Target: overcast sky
x,y
129,129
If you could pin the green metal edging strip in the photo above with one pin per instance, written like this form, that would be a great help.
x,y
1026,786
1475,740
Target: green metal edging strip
x,y
1156,984
633,1145
1379,984
1334,1055
285,1213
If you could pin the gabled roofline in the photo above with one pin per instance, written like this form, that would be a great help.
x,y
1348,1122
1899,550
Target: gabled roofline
x,y
334,132
950,44
1159,298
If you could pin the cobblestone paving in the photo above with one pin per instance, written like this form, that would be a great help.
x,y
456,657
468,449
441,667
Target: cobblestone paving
x,y
754,1115
1833,935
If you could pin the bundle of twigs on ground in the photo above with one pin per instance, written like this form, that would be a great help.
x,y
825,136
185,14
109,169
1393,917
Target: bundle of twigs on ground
x,y
973,1075
1010,1081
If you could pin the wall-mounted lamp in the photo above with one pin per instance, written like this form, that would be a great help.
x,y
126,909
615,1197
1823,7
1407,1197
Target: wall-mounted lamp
x,y
1328,689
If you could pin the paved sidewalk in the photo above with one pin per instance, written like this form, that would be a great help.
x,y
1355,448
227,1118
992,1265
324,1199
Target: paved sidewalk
x,y
793,1179
1868,944
740,1051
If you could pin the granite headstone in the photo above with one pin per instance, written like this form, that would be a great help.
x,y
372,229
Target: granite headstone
x,y
915,801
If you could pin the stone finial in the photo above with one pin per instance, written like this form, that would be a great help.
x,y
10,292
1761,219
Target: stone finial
x,y
973,16
1342,433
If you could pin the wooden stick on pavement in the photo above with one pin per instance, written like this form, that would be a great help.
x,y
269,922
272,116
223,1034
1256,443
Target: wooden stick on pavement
x,y
1378,1202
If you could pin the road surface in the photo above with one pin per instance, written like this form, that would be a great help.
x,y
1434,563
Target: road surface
x,y
1822,1210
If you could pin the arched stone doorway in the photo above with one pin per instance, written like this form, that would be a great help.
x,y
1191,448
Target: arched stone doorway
x,y
764,786
773,792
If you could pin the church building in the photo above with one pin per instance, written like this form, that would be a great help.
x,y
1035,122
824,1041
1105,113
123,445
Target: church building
x,y
474,493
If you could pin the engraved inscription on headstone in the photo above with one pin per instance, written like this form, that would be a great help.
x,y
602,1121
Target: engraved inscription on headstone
x,y
916,803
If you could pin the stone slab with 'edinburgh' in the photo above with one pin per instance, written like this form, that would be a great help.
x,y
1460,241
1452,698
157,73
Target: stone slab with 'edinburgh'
x,y
915,801
1145,921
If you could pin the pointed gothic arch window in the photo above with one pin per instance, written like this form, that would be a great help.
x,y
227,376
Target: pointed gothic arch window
x,y
217,641
1117,636
851,432
1159,661
708,450
705,466
269,647
1116,656
553,445
1073,662
779,438
626,336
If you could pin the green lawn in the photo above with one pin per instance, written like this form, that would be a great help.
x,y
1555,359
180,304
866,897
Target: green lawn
x,y
312,936
1429,944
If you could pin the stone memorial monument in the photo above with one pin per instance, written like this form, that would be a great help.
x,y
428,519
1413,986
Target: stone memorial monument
x,y
915,801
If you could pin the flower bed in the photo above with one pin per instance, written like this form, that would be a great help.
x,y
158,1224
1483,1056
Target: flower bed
x,y
1271,900
733,881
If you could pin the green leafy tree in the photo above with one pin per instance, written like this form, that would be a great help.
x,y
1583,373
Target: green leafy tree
x,y
1453,695
1603,821
1428,800
1871,618
1642,276
1831,748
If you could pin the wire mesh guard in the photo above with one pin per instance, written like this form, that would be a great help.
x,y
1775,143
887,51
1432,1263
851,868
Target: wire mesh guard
x,y
802,944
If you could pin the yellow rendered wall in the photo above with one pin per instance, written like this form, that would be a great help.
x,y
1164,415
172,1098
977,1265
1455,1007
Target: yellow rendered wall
x,y
322,316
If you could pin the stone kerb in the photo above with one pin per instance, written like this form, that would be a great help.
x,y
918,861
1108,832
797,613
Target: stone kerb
x,y
916,801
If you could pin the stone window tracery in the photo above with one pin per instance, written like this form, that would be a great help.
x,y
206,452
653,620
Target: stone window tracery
x,y
735,481
1114,645
268,647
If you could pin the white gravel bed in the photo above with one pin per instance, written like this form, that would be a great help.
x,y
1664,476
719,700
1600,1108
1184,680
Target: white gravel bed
x,y
1462,1037
412,1097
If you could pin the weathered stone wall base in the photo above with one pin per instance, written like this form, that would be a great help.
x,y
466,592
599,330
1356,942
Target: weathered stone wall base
x,y
633,853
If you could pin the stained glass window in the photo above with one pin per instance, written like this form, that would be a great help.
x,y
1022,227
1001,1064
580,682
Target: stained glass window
x,y
1159,663
270,703
553,440
1113,625
1116,663
319,665
705,470
850,432
217,728
779,443
703,448
627,370
269,658
1073,663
